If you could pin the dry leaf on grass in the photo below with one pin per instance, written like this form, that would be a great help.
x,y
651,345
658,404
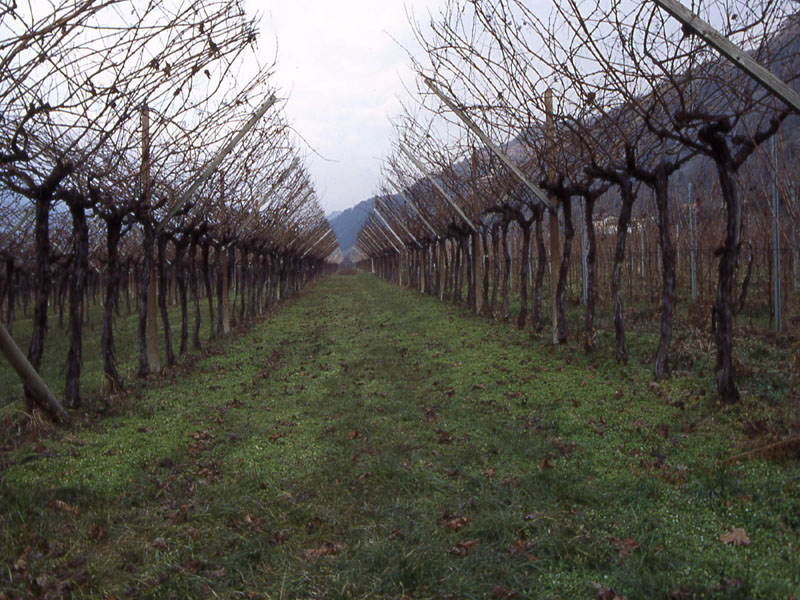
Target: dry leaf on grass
x,y
61,506
625,546
444,436
456,523
159,544
735,537
21,564
327,549
546,464
520,547
462,548
97,532
604,593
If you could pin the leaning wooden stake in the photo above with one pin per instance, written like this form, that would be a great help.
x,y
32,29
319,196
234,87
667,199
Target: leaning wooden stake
x,y
438,186
738,57
416,210
30,378
537,191
212,166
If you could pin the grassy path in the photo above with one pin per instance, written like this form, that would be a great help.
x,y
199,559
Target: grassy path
x,y
366,442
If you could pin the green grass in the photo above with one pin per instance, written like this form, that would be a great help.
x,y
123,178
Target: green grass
x,y
358,422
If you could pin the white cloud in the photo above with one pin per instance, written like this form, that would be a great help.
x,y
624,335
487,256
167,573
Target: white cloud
x,y
343,70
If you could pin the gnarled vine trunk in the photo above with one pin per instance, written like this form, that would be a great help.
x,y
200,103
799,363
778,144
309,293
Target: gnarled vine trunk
x,y
563,271
113,235
541,267
523,273
80,264
627,197
661,366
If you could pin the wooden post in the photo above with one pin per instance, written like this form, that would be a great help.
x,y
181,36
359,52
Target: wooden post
x,y
511,264
311,247
385,222
795,249
476,269
584,254
641,244
692,244
174,286
555,239
399,221
439,187
153,356
212,166
415,209
537,191
30,378
388,239
734,54
776,237
226,307
440,277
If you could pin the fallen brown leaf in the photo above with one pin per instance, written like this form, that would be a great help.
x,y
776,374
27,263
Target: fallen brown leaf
x,y
21,564
278,538
604,593
327,549
625,546
546,464
462,548
456,523
61,506
444,437
532,516
96,532
519,547
735,537
181,515
194,566
159,544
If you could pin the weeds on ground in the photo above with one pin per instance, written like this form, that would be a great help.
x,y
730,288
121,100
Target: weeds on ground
x,y
369,442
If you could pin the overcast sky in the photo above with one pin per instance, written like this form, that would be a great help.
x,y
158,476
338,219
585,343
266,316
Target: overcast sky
x,y
343,71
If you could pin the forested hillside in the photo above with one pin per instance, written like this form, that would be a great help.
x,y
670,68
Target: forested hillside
x,y
347,224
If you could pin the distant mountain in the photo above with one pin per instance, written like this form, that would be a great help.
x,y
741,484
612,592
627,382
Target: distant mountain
x,y
346,224
333,215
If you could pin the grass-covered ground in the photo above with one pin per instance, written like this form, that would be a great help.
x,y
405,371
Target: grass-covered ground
x,y
365,441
